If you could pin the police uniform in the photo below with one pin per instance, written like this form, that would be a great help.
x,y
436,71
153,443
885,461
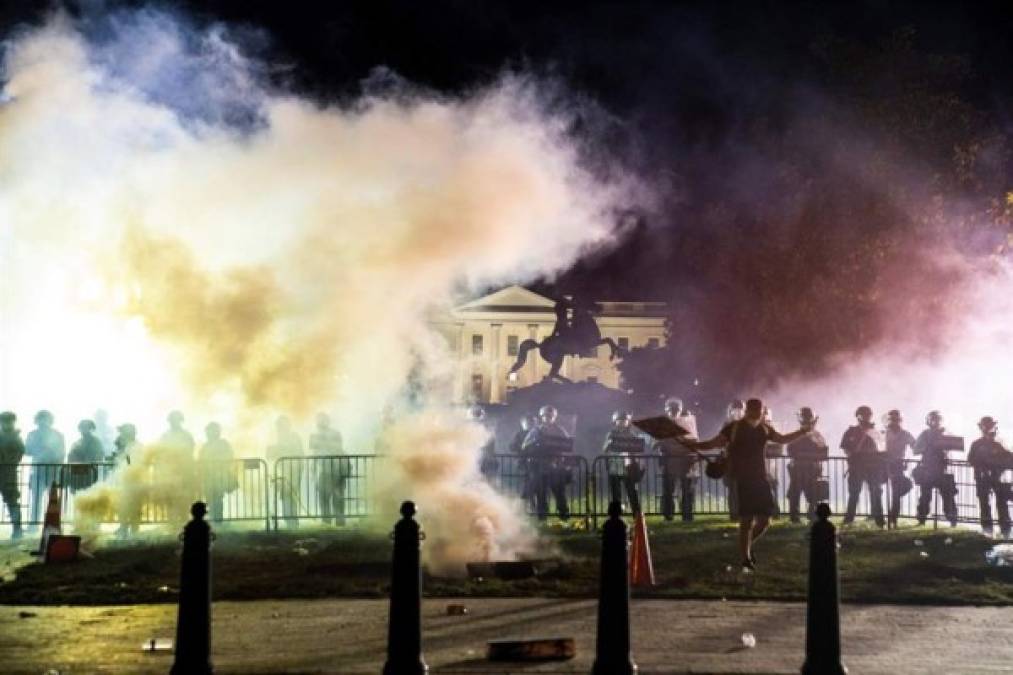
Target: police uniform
x,y
622,469
219,472
178,440
990,459
333,474
865,465
549,470
931,475
897,441
679,466
85,456
46,447
526,467
12,449
805,469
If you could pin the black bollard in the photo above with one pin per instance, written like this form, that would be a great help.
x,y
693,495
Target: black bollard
x,y
612,649
404,633
823,613
193,625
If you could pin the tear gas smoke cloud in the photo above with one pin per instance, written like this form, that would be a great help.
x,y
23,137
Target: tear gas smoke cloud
x,y
963,375
159,255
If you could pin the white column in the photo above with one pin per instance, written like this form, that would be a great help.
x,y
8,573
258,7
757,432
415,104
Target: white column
x,y
494,380
534,359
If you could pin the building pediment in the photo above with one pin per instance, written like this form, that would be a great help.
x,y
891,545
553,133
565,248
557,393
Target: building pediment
x,y
512,298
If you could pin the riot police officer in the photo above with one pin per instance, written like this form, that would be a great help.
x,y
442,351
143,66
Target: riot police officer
x,y
216,464
550,467
861,443
931,473
805,467
12,450
898,440
126,444
679,466
85,456
990,459
46,447
623,470
176,438
487,462
525,464
333,470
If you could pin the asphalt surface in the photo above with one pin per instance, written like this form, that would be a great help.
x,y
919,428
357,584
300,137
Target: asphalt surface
x,y
349,637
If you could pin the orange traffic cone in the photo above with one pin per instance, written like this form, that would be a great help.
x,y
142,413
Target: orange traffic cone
x,y
641,567
51,524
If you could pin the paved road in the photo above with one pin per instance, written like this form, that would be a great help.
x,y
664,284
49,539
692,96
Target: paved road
x,y
348,637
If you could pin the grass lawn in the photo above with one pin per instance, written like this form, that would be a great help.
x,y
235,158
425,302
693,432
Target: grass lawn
x,y
690,561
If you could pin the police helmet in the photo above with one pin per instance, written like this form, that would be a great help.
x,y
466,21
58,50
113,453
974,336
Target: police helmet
x,y
988,425
547,414
621,416
673,404
863,411
934,418
86,426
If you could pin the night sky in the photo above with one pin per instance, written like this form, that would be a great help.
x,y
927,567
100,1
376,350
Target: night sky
x,y
810,163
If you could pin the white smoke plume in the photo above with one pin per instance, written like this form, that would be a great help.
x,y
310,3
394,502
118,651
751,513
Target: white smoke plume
x,y
176,234
962,374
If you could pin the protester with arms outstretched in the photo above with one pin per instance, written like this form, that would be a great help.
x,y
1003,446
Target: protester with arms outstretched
x,y
745,441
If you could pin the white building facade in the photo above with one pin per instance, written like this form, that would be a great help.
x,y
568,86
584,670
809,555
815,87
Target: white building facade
x,y
485,335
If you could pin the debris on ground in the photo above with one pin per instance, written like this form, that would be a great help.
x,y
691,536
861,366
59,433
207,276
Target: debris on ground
x,y
532,649
157,645
1000,555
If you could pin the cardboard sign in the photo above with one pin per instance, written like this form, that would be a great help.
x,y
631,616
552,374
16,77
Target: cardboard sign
x,y
660,428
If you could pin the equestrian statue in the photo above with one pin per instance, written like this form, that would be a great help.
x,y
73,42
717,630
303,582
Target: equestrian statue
x,y
574,333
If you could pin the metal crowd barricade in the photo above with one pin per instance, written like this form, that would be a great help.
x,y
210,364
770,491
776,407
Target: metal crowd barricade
x,y
525,477
33,482
710,495
235,491
330,488
343,487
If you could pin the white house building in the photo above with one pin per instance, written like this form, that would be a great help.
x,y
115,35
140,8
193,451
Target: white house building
x,y
485,335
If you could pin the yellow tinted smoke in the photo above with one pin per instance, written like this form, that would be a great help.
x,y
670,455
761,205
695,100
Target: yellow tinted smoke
x,y
158,262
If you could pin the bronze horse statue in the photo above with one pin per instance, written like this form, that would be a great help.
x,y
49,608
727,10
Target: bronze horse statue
x,y
575,332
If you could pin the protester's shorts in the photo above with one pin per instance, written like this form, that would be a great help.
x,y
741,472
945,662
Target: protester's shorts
x,y
756,497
